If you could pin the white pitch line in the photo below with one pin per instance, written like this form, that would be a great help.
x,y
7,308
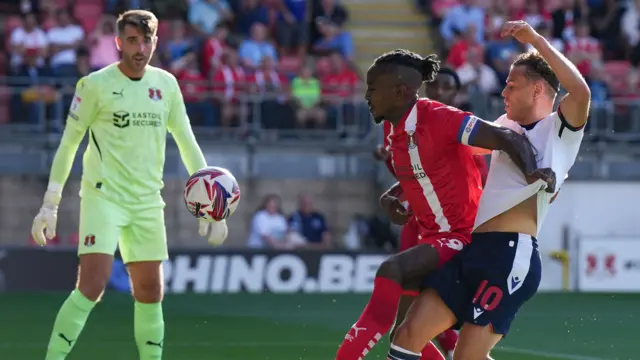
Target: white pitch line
x,y
546,354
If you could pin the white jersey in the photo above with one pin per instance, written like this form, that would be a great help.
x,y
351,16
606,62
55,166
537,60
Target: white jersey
x,y
556,143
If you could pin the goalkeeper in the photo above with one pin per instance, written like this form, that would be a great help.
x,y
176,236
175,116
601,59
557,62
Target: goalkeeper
x,y
128,107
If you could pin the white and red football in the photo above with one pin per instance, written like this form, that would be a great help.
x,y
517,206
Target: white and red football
x,y
212,194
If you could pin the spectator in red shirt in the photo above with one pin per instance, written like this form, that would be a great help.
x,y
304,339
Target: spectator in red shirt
x,y
273,88
195,90
229,84
339,89
583,49
213,50
534,13
458,52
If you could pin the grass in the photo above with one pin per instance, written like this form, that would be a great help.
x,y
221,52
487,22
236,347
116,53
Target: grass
x,y
307,327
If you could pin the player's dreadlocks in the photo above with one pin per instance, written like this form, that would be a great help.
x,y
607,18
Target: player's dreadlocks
x,y
427,67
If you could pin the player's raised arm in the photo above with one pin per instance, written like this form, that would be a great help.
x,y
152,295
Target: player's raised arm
x,y
81,114
574,107
180,128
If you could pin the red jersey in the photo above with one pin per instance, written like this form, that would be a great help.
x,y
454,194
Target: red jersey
x,y
437,172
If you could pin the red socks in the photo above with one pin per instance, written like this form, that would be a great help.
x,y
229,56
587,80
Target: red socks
x,y
448,340
431,352
376,320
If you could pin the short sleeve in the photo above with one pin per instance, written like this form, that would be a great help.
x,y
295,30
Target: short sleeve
x,y
457,126
565,131
84,105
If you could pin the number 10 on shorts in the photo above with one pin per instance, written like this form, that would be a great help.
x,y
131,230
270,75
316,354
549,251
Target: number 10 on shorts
x,y
486,298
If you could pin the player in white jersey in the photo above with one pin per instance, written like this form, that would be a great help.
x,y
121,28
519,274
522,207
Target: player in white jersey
x,y
128,108
485,286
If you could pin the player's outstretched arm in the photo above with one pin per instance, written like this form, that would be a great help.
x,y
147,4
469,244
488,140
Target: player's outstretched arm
x,y
575,105
81,115
483,134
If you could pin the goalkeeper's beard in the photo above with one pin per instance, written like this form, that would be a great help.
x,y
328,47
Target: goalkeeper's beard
x,y
136,62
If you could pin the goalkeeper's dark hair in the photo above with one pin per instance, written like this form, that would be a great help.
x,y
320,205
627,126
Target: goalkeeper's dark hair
x,y
143,20
427,66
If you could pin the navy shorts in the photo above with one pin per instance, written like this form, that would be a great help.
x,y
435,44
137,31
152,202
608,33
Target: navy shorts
x,y
490,279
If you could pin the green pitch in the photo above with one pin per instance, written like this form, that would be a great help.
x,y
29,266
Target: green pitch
x,y
308,327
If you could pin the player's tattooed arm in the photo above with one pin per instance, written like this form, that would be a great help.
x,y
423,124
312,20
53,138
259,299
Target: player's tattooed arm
x,y
486,135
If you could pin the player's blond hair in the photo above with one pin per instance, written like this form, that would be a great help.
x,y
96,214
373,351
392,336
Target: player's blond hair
x,y
143,20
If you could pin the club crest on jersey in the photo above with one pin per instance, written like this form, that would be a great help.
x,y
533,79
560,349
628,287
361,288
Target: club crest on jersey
x,y
155,94
411,136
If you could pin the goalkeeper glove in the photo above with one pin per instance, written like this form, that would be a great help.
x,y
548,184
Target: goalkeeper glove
x,y
217,231
47,216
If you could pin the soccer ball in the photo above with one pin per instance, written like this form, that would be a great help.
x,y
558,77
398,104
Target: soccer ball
x,y
212,194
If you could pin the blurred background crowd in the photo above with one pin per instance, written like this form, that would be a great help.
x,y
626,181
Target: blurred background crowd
x,y
269,71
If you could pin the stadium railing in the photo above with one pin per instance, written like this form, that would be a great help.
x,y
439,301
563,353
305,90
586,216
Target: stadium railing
x,y
40,107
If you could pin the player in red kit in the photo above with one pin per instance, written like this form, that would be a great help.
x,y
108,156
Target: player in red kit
x,y
444,89
432,157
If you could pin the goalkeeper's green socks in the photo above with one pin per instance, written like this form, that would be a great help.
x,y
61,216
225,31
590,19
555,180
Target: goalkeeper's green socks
x,y
148,326
69,323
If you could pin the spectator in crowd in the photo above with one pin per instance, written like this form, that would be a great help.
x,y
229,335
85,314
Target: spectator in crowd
x,y
178,45
310,225
273,88
563,19
194,90
35,93
630,24
102,43
332,10
256,48
478,80
28,37
501,51
339,86
213,50
292,26
605,19
333,38
307,95
534,13
460,17
249,13
439,9
465,43
268,226
65,38
583,49
204,15
229,86
497,15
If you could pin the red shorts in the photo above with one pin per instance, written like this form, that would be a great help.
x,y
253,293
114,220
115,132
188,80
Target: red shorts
x,y
447,244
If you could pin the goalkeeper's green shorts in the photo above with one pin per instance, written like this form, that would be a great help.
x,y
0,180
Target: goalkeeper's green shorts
x,y
140,232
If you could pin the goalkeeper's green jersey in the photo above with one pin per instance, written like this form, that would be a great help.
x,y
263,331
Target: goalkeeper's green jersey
x,y
128,120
